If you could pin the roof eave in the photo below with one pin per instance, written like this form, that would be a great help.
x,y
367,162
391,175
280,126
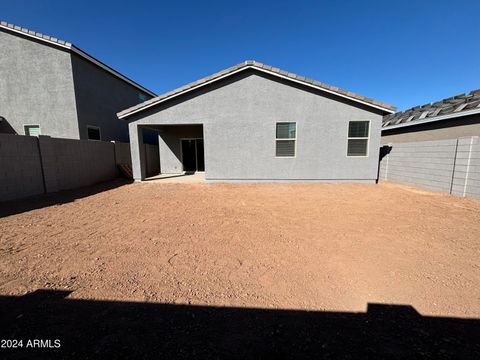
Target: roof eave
x,y
110,70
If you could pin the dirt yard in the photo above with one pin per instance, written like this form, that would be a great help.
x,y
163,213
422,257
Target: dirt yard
x,y
296,246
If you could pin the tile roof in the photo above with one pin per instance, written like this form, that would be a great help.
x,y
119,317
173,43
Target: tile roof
x,y
36,34
256,65
454,106
69,46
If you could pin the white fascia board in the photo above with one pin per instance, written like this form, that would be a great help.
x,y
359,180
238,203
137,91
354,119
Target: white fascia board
x,y
436,118
121,115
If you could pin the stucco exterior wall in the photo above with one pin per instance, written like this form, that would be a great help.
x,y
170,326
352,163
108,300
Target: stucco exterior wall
x,y
239,117
152,159
441,130
99,96
36,87
170,147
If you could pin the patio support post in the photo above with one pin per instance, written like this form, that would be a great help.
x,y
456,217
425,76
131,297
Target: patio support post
x,y
137,150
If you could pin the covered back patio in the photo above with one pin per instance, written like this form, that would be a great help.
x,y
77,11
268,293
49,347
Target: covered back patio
x,y
181,149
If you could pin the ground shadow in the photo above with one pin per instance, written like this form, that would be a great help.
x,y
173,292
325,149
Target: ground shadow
x,y
102,329
40,201
384,151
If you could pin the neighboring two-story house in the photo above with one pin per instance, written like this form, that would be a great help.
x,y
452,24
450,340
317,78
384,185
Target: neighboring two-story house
x,y
451,118
50,87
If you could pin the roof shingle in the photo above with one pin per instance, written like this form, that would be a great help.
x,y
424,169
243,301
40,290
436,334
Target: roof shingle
x,y
455,104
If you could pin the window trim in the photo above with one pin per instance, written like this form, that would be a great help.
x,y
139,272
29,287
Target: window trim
x,y
359,138
95,128
286,139
27,125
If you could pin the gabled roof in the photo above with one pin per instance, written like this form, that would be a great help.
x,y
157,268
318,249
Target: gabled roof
x,y
250,64
70,47
452,107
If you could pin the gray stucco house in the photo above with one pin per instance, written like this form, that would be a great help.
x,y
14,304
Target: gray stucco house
x,y
455,117
50,87
254,122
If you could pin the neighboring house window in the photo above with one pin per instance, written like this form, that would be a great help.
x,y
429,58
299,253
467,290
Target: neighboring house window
x,y
358,133
141,97
93,133
32,130
286,137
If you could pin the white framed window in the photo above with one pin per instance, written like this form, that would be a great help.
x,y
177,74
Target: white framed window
x,y
358,136
93,133
285,139
32,130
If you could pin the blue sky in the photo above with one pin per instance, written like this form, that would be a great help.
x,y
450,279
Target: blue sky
x,y
401,52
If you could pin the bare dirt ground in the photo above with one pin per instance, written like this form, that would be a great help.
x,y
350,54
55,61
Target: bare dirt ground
x,y
275,246
318,247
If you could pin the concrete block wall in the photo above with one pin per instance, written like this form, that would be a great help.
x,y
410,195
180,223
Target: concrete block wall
x,y
466,178
70,164
440,165
20,167
31,166
122,153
